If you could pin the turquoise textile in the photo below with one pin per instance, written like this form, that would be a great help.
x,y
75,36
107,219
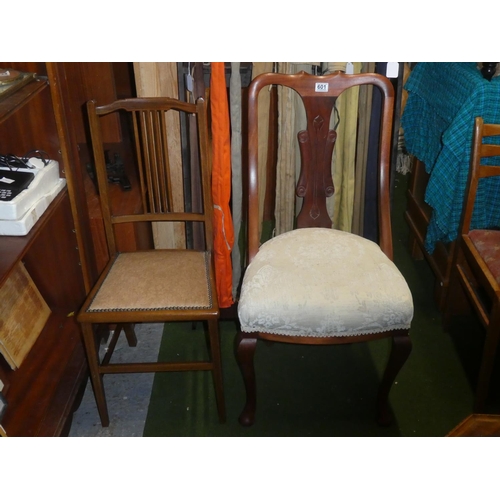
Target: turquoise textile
x,y
438,121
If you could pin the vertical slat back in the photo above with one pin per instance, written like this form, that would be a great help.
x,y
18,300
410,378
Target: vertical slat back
x,y
148,120
205,172
165,177
140,168
152,149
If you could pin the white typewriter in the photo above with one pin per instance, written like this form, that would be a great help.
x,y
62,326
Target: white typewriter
x,y
25,194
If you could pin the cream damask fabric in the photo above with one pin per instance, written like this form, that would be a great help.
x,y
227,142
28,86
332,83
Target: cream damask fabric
x,y
323,282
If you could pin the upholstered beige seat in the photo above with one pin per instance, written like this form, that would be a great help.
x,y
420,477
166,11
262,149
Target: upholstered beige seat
x,y
336,283
155,280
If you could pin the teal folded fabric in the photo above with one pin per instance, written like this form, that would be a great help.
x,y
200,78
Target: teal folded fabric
x,y
438,121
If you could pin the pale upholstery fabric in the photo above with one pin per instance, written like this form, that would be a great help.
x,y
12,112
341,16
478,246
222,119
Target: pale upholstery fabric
x,y
156,280
320,282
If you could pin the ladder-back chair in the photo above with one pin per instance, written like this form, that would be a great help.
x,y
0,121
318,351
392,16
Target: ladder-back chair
x,y
316,284
476,269
157,285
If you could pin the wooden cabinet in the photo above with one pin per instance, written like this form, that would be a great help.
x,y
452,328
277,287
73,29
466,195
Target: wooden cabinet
x,y
43,391
64,252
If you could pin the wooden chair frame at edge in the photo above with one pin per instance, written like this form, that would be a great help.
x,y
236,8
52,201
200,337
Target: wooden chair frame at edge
x,y
469,272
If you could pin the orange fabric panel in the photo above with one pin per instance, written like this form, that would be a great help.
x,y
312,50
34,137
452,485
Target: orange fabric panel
x,y
221,184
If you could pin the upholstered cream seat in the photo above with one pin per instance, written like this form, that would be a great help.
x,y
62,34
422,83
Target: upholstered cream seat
x,y
337,284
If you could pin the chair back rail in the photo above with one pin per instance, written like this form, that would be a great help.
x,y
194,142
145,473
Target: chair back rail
x,y
148,122
477,171
316,143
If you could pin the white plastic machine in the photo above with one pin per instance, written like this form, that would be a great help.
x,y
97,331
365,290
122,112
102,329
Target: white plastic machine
x,y
19,214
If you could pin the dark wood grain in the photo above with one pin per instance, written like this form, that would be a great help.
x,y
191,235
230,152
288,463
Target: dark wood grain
x,y
43,390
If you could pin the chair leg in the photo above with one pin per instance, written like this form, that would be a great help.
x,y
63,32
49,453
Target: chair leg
x,y
457,303
400,350
95,377
488,359
245,351
213,332
128,328
415,250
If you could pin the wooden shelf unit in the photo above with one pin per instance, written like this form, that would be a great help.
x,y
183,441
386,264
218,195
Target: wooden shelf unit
x,y
44,391
17,100
63,253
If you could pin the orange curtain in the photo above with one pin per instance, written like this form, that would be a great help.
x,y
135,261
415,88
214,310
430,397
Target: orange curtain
x,y
221,184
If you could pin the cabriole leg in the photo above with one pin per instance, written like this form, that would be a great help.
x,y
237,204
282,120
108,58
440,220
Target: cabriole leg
x,y
245,351
400,350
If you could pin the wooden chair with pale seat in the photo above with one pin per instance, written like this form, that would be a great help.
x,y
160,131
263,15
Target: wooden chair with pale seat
x,y
475,272
316,284
156,285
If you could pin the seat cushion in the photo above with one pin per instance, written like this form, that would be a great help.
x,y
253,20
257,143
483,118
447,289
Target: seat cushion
x,y
155,280
487,243
319,282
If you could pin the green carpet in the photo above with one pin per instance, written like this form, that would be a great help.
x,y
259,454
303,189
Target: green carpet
x,y
327,390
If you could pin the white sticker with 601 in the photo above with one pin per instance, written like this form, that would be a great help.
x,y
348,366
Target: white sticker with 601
x,y
321,87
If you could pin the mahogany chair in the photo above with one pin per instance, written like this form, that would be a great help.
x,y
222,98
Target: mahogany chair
x,y
476,269
156,285
316,284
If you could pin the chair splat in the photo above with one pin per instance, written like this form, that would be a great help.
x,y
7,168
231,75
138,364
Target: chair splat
x,y
316,144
